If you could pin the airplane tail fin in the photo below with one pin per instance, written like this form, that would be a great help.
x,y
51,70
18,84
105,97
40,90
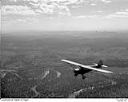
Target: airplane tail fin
x,y
101,65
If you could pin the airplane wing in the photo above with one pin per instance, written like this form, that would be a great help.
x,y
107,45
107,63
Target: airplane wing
x,y
85,66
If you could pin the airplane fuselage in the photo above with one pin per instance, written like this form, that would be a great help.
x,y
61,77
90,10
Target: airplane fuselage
x,y
81,71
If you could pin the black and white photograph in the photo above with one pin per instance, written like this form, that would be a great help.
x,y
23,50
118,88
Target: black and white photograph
x,y
64,49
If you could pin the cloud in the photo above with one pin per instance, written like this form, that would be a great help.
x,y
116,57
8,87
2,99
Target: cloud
x,y
13,0
56,7
18,10
86,16
119,14
106,1
99,11
49,7
79,17
27,20
93,4
60,7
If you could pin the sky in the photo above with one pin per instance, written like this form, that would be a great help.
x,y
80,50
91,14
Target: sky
x,y
63,15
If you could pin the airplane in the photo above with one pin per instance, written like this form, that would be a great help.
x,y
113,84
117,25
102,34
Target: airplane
x,y
82,69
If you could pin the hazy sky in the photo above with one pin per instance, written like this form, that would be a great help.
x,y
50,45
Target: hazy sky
x,y
64,15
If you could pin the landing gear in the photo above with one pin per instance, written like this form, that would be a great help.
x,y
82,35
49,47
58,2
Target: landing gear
x,y
83,77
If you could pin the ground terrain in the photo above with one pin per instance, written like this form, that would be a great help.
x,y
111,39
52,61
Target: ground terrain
x,y
31,66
